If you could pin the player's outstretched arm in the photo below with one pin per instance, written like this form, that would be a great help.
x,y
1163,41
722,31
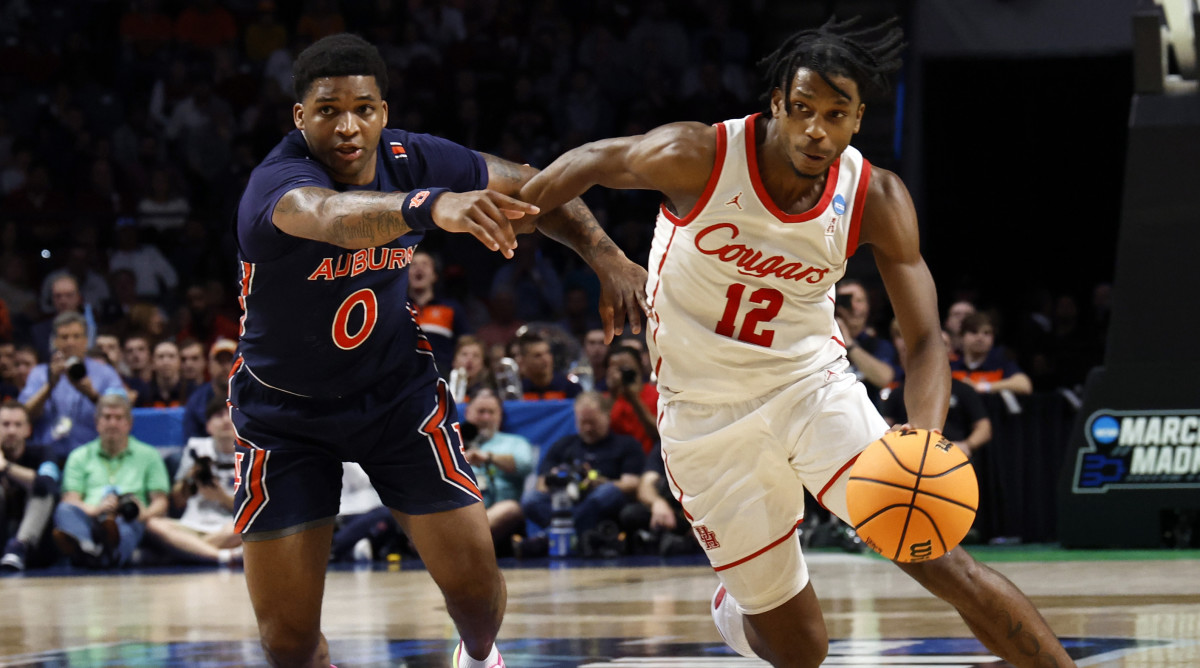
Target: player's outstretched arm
x,y
889,226
622,283
364,219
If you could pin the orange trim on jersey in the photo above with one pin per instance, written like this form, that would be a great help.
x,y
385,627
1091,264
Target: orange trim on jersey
x,y
435,429
860,198
831,179
246,281
255,497
832,480
791,532
708,187
667,468
990,376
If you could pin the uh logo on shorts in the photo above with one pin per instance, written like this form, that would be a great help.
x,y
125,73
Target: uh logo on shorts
x,y
707,538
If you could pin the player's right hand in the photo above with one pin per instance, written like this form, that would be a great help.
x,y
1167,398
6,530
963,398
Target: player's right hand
x,y
484,214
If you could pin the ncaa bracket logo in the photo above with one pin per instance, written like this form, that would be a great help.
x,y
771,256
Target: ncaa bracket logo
x,y
1155,449
839,204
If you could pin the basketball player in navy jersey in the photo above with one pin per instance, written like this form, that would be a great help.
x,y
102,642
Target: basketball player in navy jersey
x,y
758,220
332,366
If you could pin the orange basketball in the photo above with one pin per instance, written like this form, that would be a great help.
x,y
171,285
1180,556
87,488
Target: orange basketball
x,y
912,495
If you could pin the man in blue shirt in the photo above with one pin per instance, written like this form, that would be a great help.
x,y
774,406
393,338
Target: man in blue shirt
x,y
61,395
332,365
501,462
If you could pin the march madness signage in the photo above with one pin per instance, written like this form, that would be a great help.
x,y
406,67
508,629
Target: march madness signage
x,y
1139,450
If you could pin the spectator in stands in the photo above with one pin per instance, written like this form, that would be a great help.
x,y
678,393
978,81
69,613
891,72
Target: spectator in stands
x,y
148,319
442,320
656,524
606,466
164,209
8,372
967,424
115,311
533,281
958,310
595,353
156,278
265,35
111,486
204,25
108,344
538,377
872,358
201,317
204,488
15,290
193,364
139,370
472,361
90,288
61,394
220,360
64,292
29,483
24,360
364,526
634,401
983,365
501,462
167,388
502,324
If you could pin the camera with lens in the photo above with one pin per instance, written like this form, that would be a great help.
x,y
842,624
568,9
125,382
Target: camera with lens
x,y
76,369
203,471
629,376
127,507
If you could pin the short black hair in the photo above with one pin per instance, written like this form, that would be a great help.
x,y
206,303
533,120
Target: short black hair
x,y
866,55
340,55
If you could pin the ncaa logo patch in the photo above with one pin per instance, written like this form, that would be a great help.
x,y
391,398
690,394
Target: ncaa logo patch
x,y
1105,429
839,204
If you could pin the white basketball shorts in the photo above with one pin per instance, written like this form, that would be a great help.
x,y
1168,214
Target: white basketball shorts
x,y
740,470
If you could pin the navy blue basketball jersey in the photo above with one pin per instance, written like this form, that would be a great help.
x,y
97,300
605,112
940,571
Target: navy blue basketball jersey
x,y
319,320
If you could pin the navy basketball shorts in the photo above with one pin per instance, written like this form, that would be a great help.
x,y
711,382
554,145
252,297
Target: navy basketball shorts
x,y
290,450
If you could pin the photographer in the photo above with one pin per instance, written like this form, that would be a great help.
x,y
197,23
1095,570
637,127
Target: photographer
x,y
501,462
61,395
204,487
111,486
604,466
635,402
872,358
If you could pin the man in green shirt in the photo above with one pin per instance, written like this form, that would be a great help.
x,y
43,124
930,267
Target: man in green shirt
x,y
111,486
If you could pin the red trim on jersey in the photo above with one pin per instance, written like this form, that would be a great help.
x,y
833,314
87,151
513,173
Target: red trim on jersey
x,y
435,429
832,480
667,468
839,341
791,533
654,296
831,179
860,198
255,496
708,187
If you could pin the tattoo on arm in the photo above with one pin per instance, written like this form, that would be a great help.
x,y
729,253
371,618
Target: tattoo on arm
x,y
573,225
369,226
1025,641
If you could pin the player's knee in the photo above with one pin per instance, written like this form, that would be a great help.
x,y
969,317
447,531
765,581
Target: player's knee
x,y
953,574
809,649
285,645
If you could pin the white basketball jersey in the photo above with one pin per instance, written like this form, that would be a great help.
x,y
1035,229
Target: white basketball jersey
x,y
742,293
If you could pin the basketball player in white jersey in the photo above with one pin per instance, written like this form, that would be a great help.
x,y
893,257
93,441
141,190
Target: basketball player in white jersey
x,y
759,218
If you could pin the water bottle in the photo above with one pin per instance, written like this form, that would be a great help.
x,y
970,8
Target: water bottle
x,y
561,536
458,384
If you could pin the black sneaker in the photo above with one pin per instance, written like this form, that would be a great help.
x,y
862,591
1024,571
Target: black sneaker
x,y
14,556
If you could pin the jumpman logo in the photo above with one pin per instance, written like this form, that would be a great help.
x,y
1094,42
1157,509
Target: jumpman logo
x,y
734,201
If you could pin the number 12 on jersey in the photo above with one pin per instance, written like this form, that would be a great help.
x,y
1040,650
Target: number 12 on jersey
x,y
769,301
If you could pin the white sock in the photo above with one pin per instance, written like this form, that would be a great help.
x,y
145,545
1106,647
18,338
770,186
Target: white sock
x,y
464,660
729,622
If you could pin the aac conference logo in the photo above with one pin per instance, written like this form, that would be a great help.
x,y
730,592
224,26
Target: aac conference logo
x,y
1139,450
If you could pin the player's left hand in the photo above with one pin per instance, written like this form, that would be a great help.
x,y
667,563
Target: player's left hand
x,y
486,215
622,295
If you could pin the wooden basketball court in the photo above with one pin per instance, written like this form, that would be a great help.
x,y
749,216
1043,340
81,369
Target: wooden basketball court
x,y
1118,609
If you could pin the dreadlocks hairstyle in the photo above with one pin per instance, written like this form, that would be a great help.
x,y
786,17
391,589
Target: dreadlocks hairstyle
x,y
340,55
865,55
